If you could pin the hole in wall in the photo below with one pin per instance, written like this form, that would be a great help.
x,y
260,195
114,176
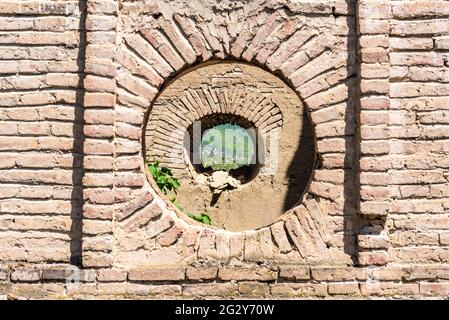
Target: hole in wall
x,y
229,143
237,98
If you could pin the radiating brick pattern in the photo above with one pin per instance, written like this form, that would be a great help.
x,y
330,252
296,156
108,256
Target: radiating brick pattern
x,y
171,119
315,55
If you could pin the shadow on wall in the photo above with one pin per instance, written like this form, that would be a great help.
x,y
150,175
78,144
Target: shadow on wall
x,y
77,198
301,167
351,190
302,164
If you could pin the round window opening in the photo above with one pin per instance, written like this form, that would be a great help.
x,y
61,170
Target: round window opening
x,y
231,145
223,149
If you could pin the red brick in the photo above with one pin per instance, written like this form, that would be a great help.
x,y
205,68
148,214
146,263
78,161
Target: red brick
x,y
157,274
389,289
210,289
201,273
297,290
255,289
344,288
434,289
294,272
112,275
26,275
245,273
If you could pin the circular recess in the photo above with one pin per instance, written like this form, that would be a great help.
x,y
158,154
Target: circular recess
x,y
227,147
238,139
228,143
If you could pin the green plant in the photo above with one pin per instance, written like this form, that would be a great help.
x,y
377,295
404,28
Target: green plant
x,y
168,183
164,178
204,218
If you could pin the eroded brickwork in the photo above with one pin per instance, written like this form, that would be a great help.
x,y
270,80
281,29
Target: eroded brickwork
x,y
78,80
40,130
307,45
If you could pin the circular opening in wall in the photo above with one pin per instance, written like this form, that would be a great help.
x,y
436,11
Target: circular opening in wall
x,y
237,139
223,150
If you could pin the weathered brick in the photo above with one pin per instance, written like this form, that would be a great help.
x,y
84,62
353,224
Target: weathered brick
x,y
371,27
157,274
280,237
97,259
159,226
425,272
171,236
419,27
442,43
247,273
98,243
373,258
254,289
252,248
98,99
338,273
376,208
67,273
168,290
411,43
210,289
373,241
26,275
291,272
201,273
389,289
298,290
4,273
94,227
367,41
387,273
143,217
404,9
125,289
112,275
132,206
344,288
434,289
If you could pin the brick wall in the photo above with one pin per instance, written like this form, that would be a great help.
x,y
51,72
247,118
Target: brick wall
x,y
40,130
418,214
78,79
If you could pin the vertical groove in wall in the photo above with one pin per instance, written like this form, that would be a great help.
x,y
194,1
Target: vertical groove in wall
x,y
358,96
78,133
351,165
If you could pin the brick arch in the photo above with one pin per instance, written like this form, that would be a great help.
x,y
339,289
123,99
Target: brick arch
x,y
149,58
194,104
207,101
